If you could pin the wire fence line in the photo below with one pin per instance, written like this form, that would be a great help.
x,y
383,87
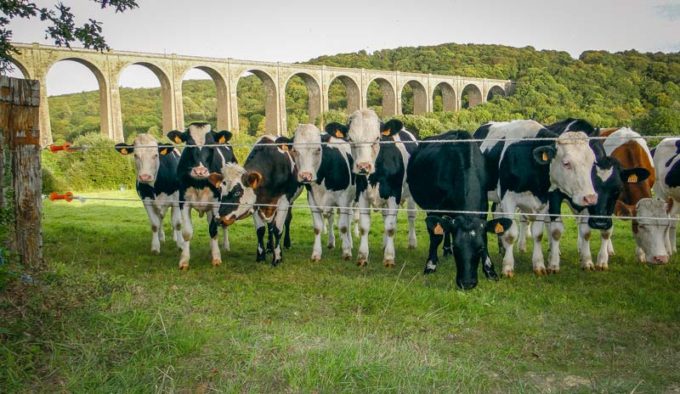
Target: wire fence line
x,y
535,215
68,147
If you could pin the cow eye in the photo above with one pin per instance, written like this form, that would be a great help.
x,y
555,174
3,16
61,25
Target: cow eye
x,y
566,165
318,150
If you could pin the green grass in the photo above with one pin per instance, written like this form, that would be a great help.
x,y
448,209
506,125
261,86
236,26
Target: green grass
x,y
110,317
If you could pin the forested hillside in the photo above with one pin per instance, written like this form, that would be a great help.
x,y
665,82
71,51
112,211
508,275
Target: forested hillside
x,y
608,89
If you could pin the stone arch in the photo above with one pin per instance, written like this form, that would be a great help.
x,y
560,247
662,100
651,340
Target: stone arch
x,y
388,93
448,94
271,110
19,68
470,96
419,97
313,95
495,91
105,115
352,90
221,93
167,97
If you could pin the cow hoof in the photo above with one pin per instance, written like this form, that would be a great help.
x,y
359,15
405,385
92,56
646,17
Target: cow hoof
x,y
428,271
216,262
260,257
316,258
331,246
155,251
412,246
509,274
540,271
587,267
276,262
602,267
184,266
347,256
553,270
362,262
389,263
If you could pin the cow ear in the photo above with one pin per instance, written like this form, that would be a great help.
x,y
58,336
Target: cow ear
x,y
124,149
498,226
634,175
177,137
222,137
438,225
543,154
165,149
623,209
252,179
215,178
284,143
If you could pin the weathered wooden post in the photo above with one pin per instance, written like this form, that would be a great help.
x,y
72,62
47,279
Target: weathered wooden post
x,y
19,102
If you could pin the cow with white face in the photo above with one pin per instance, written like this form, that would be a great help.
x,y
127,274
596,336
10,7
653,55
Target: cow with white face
x,y
381,153
325,168
534,176
157,185
667,186
651,230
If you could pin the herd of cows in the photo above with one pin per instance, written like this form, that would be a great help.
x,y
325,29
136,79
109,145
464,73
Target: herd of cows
x,y
519,166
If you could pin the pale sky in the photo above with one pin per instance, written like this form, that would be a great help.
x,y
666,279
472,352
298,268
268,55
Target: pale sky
x,y
297,30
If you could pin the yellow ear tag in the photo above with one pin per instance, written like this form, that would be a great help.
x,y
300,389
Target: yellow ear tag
x,y
178,140
632,178
164,151
438,229
338,134
545,156
124,151
387,132
499,228
284,148
222,140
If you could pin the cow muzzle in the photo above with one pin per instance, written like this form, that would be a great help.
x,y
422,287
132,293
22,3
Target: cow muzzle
x,y
305,177
200,172
145,178
599,224
661,259
364,168
589,200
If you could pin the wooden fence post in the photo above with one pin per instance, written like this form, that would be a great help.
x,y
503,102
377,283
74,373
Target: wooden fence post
x,y
20,100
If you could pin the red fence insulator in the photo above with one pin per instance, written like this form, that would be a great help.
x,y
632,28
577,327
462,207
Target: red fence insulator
x,y
68,196
66,147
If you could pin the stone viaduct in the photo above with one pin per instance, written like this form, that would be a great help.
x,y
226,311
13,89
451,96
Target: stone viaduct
x,y
35,61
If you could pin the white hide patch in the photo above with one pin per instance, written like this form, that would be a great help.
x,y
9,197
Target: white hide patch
x,y
198,133
623,136
430,265
604,174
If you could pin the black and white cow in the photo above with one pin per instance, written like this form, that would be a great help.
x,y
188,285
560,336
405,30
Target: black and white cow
x,y
455,181
324,166
534,176
205,152
667,188
381,177
608,180
267,184
157,185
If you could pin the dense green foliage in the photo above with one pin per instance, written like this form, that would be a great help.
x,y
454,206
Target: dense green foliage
x,y
109,316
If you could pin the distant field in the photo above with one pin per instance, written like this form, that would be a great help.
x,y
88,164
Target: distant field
x,y
111,317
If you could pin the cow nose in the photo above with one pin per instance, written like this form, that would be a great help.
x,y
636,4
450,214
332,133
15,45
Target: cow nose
x,y
201,171
364,167
467,284
305,176
590,199
663,259
145,177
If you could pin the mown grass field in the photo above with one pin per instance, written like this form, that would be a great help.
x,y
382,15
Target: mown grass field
x,y
110,317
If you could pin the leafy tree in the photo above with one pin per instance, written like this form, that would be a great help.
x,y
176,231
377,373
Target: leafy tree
x,y
62,27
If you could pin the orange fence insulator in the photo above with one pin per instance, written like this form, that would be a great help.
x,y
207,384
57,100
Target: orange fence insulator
x,y
65,147
68,196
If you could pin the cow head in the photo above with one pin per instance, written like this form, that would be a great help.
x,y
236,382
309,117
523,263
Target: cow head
x,y
147,153
364,134
199,153
571,161
609,180
237,192
306,152
337,130
469,242
651,233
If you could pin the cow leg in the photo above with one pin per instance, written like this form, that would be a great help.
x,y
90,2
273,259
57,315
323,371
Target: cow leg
x,y
177,225
525,232
345,234
556,230
537,255
286,236
671,245
331,230
226,245
278,227
356,218
187,235
364,227
431,223
161,217
317,221
412,213
508,238
610,244
448,249
214,243
603,254
583,244
261,253
390,224
270,240
156,223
